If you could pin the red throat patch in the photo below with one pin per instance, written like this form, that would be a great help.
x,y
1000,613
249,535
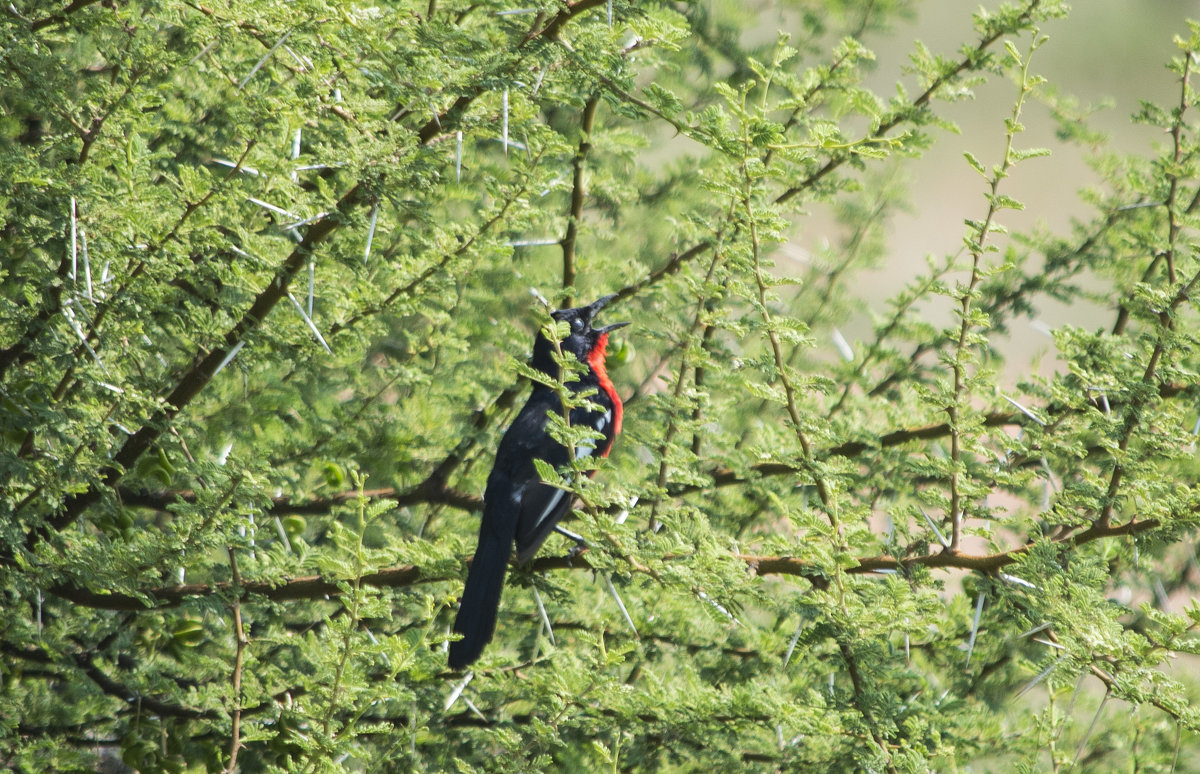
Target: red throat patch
x,y
595,359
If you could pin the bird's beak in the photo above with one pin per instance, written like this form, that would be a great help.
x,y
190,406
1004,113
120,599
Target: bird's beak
x,y
595,307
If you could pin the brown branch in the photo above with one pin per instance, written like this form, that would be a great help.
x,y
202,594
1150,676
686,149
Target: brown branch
x,y
453,114
787,565
92,133
1123,308
425,492
62,15
197,378
859,700
587,121
306,587
676,262
433,489
965,63
108,685
318,587
235,736
551,30
202,373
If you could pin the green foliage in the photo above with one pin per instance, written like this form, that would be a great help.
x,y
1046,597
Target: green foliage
x,y
266,300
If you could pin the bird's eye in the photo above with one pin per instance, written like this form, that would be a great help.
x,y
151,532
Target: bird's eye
x,y
577,325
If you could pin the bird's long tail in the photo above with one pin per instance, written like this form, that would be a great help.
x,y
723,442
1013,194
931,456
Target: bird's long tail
x,y
476,620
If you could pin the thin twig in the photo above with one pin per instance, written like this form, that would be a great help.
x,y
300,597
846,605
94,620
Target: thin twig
x,y
587,122
235,741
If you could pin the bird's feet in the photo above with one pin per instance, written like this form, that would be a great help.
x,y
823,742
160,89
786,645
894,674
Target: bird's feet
x,y
575,550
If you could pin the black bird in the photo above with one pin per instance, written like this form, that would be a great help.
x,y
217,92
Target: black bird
x,y
517,505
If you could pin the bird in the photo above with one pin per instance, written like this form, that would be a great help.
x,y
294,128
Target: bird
x,y
518,507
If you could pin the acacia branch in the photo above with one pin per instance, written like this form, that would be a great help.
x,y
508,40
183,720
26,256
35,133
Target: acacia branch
x,y
235,736
61,16
198,376
452,115
427,492
84,662
317,587
587,122
434,490
968,61
676,262
555,25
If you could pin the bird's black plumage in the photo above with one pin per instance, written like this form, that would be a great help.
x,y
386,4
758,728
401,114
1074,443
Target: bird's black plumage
x,y
517,506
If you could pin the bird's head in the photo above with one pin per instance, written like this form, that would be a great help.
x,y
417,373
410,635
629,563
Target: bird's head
x,y
584,340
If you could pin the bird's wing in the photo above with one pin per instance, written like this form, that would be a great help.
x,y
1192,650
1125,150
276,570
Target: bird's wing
x,y
542,505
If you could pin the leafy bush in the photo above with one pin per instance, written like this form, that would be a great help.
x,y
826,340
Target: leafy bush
x,y
266,292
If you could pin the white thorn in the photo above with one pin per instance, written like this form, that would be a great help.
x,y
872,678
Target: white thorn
x,y
74,240
283,538
613,590
296,148
471,706
545,618
1024,410
70,315
233,165
271,207
792,645
87,265
974,629
262,61
718,606
458,157
843,346
1092,727
929,521
1018,581
293,226
308,320
312,276
232,354
533,242
1040,677
371,231
504,102
457,691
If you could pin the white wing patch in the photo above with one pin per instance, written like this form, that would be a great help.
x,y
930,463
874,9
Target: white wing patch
x,y
602,422
550,506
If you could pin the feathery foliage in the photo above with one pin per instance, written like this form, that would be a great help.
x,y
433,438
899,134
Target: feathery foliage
x,y
265,299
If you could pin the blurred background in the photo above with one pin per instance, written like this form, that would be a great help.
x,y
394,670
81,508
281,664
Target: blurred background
x,y
1109,54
